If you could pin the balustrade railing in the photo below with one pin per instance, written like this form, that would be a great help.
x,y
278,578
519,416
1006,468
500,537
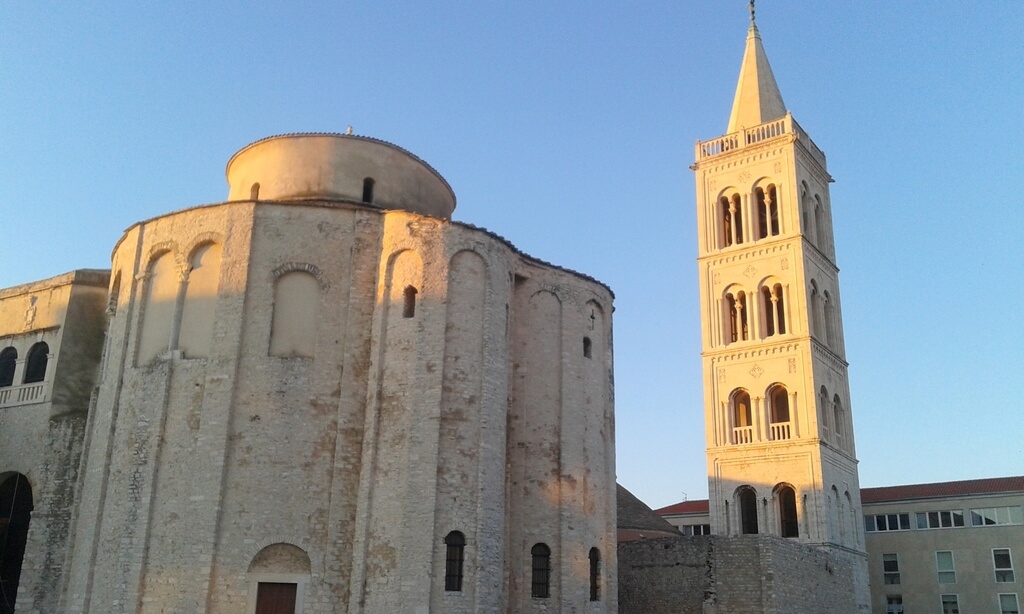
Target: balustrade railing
x,y
22,395
751,136
743,434
780,431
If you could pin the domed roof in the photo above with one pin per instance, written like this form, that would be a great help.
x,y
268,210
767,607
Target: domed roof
x,y
326,166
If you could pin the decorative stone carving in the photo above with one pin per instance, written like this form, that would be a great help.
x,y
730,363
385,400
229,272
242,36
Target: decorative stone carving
x,y
757,371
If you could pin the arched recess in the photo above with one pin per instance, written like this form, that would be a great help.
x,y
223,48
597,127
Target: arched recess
x,y
766,198
778,412
820,223
158,306
742,416
829,312
839,421
789,522
851,515
8,363
295,315
806,209
823,413
278,576
15,513
746,503
200,305
814,320
836,516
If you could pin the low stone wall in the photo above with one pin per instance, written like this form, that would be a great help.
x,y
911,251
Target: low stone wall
x,y
719,575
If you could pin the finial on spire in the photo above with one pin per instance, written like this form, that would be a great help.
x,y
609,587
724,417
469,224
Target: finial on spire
x,y
751,7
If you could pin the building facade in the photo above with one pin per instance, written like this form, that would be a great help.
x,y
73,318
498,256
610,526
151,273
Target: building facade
x,y
950,547
51,338
323,396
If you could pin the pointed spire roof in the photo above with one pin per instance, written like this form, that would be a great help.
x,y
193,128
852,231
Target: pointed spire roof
x,y
758,99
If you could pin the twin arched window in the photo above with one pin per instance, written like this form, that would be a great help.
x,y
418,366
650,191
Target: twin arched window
x,y
770,304
765,214
832,419
743,417
785,497
179,306
35,364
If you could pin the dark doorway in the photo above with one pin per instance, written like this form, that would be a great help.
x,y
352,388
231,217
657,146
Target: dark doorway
x,y
275,597
748,511
15,513
787,512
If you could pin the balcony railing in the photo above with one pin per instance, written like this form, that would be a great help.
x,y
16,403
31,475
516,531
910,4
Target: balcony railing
x,y
780,431
752,136
22,395
743,434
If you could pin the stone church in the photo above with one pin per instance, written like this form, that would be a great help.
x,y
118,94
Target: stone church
x,y
324,395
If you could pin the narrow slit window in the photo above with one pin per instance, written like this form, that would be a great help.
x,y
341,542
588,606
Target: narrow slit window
x,y
541,568
254,192
409,308
368,184
455,547
595,574
587,347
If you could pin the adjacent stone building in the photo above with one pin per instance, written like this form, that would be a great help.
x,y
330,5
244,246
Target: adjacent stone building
x,y
319,396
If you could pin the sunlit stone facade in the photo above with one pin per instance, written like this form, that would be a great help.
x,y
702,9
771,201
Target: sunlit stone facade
x,y
780,446
324,393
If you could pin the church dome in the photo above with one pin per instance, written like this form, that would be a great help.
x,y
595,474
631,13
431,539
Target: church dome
x,y
338,167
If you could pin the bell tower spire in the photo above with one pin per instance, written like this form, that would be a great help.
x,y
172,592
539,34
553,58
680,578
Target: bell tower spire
x,y
758,99
779,429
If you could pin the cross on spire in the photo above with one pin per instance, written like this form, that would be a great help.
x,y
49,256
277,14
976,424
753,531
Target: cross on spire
x,y
751,6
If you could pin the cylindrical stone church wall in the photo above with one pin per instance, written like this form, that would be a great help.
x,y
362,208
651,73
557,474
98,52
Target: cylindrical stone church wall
x,y
319,393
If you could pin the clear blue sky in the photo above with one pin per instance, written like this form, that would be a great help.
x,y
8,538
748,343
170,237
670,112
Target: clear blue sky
x,y
568,127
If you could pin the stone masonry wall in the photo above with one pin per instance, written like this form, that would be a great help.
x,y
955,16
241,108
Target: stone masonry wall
x,y
722,575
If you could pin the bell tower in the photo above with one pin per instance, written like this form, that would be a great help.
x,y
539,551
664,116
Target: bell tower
x,y
780,446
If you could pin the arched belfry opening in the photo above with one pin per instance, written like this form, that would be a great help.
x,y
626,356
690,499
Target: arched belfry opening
x,y
15,514
747,500
789,525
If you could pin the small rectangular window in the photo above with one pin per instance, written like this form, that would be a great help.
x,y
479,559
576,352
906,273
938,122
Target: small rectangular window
x,y
950,604
1008,603
891,569
894,604
944,567
1003,564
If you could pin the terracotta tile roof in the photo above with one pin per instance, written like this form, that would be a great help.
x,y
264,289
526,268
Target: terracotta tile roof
x,y
697,506
942,489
